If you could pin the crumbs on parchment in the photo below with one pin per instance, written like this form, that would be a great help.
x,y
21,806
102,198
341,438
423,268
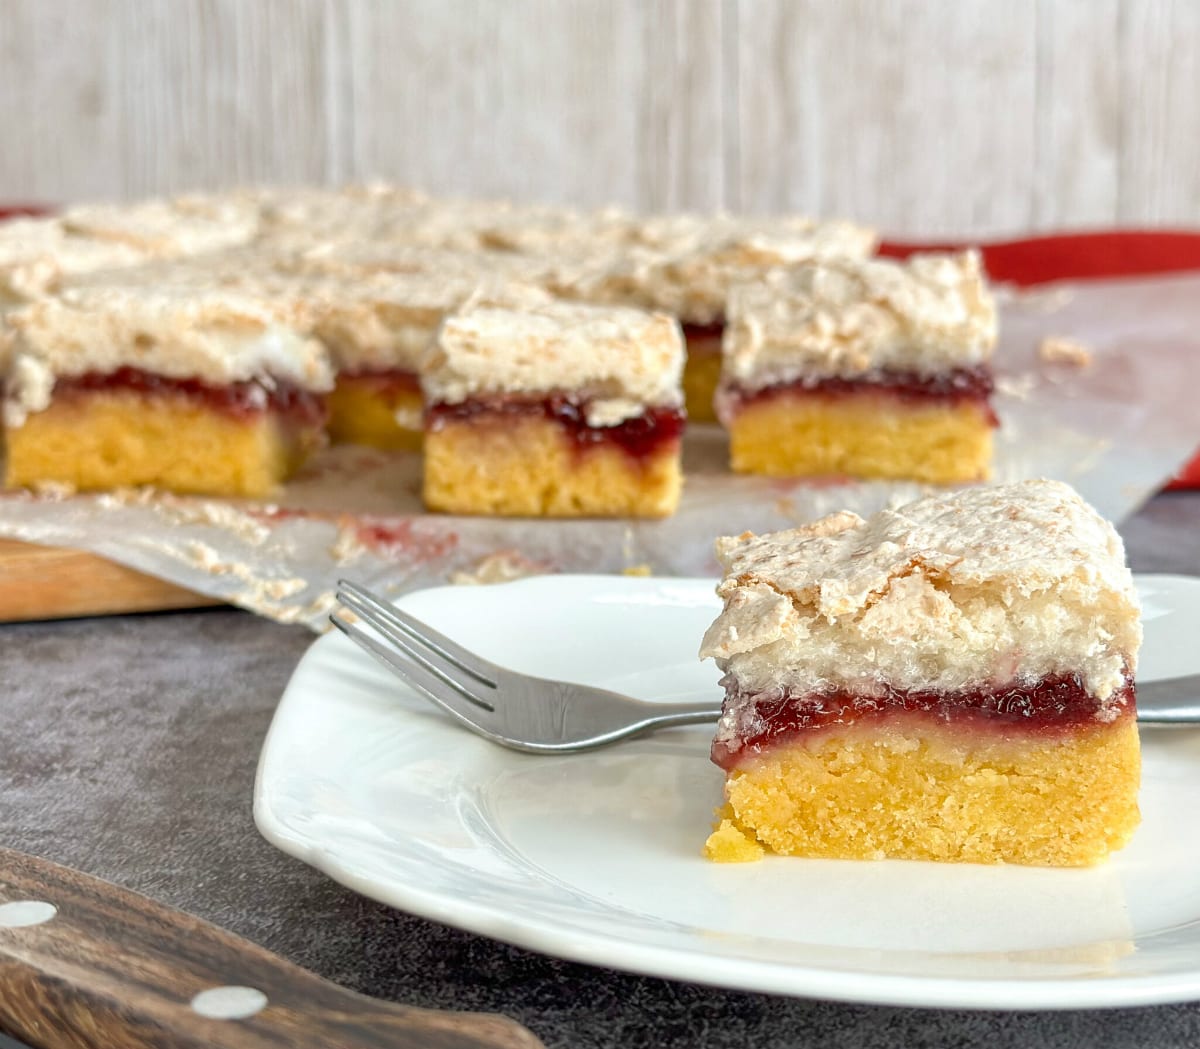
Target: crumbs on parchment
x,y
1062,349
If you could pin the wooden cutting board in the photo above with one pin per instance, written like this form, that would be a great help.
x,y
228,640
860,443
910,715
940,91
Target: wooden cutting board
x,y
48,582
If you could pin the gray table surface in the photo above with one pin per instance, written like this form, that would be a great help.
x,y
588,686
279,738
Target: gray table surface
x,y
129,752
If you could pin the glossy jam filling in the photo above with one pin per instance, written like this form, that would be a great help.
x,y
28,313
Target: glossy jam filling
x,y
703,338
383,380
1052,705
644,436
242,400
957,386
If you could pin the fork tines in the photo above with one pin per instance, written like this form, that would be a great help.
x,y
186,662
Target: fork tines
x,y
440,668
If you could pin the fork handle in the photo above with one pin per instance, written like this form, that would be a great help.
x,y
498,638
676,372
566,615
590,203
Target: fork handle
x,y
1169,701
664,715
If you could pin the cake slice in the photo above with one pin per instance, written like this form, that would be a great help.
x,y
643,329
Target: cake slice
x,y
377,329
376,306
542,408
952,680
687,265
869,368
212,391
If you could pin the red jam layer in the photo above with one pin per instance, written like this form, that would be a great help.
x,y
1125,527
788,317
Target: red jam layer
x,y
242,400
703,337
385,380
656,430
1052,705
957,386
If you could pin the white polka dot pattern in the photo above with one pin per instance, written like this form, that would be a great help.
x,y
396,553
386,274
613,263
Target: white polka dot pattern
x,y
229,1003
21,913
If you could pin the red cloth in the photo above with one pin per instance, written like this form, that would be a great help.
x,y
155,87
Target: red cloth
x,y
10,211
1076,256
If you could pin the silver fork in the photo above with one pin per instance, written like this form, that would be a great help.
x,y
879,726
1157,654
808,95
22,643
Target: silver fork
x,y
541,716
516,710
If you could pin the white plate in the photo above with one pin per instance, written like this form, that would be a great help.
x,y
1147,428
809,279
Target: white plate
x,y
596,857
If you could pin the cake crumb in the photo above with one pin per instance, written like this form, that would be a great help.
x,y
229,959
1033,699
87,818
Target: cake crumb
x,y
347,547
53,491
1018,386
1061,349
730,842
1041,300
503,566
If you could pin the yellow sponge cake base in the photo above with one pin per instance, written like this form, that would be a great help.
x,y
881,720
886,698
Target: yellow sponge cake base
x,y
120,438
701,373
364,410
865,435
930,792
531,467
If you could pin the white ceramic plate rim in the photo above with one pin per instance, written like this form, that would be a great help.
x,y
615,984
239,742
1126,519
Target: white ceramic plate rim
x,y
626,953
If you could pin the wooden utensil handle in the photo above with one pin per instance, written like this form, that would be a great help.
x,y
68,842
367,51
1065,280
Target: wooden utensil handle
x,y
84,963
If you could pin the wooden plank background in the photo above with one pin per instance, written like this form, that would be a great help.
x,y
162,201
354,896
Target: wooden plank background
x,y
928,117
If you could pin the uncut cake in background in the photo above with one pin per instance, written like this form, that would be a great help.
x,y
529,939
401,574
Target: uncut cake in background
x,y
864,368
368,273
542,408
952,680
